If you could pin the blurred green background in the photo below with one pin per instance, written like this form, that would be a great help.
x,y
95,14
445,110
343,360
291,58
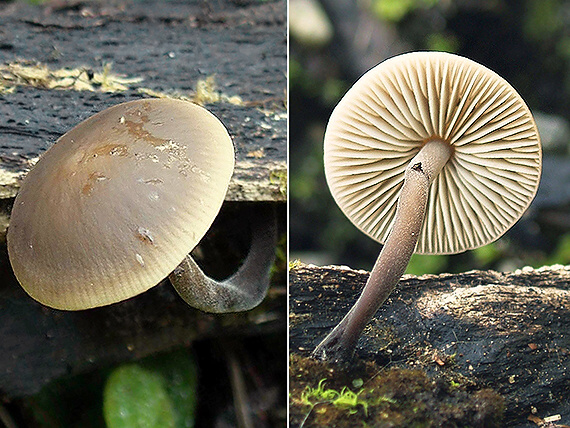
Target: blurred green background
x,y
333,42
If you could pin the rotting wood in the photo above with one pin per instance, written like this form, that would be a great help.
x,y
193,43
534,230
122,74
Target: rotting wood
x,y
506,331
243,48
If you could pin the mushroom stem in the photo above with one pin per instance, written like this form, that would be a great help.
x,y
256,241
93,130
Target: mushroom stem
x,y
340,344
246,288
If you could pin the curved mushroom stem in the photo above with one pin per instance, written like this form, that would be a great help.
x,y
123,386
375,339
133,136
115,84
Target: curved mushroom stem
x,y
339,345
242,291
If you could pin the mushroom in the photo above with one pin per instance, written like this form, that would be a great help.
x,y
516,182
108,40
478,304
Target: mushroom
x,y
428,152
118,203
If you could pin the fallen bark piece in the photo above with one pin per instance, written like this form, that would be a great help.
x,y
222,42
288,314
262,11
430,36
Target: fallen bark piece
x,y
482,329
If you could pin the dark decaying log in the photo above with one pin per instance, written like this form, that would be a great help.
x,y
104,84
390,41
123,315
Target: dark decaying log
x,y
506,331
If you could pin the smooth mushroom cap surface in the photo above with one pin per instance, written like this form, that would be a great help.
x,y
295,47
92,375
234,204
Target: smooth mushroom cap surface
x,y
118,202
394,110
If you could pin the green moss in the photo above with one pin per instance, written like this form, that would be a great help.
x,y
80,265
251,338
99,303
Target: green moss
x,y
322,395
345,399
293,264
279,177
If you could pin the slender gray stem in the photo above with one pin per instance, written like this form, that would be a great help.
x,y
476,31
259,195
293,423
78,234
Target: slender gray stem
x,y
246,288
340,344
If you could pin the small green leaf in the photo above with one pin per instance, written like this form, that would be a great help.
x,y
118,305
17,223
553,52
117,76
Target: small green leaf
x,y
179,372
135,397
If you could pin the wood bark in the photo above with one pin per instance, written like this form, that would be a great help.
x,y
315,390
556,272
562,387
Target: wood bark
x,y
241,46
506,331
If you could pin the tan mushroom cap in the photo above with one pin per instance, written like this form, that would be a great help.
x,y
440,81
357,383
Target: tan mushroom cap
x,y
118,202
394,109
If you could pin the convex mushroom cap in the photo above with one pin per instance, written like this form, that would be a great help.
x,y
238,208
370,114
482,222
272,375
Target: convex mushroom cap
x,y
118,202
394,110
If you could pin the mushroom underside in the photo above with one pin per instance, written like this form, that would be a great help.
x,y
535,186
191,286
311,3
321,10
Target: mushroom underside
x,y
427,152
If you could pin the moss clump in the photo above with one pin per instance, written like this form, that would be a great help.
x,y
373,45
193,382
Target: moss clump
x,y
323,395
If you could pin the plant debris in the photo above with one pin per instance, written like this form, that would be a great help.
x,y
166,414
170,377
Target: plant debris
x,y
38,75
207,92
